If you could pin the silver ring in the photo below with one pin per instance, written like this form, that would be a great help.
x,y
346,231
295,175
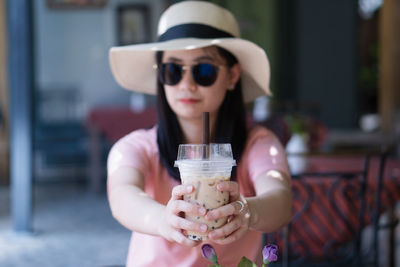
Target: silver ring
x,y
241,205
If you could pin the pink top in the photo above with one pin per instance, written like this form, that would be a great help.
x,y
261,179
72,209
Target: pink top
x,y
139,150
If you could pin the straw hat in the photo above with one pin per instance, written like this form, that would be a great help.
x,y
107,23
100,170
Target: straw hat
x,y
190,25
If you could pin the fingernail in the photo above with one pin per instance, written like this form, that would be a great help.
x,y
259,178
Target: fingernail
x,y
219,187
203,228
202,211
189,188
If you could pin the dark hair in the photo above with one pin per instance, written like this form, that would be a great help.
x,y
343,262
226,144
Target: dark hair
x,y
230,124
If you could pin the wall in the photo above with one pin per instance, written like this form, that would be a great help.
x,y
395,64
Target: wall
x,y
71,51
311,45
326,58
257,22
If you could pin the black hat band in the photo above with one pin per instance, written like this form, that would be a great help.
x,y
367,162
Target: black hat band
x,y
193,30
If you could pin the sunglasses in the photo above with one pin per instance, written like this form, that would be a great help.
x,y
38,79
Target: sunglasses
x,y
204,74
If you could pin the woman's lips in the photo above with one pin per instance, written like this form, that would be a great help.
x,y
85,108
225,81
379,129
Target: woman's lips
x,y
189,100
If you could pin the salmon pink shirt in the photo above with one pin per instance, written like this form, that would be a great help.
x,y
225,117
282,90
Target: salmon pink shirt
x,y
263,152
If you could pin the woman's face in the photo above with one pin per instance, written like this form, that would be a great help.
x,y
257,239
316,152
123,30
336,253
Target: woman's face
x,y
187,98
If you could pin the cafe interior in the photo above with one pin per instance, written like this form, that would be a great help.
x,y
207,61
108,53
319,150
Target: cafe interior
x,y
335,108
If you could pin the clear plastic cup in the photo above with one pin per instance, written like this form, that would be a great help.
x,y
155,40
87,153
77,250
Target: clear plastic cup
x,y
204,166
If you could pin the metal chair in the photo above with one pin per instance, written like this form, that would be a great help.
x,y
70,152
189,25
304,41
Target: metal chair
x,y
331,209
392,220
331,212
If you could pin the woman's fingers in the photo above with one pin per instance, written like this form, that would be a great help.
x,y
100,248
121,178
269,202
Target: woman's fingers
x,y
177,206
180,190
231,187
176,225
238,221
172,233
183,240
224,211
232,237
181,223
233,230
226,230
232,208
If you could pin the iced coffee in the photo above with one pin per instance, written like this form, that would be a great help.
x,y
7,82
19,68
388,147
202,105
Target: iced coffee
x,y
204,166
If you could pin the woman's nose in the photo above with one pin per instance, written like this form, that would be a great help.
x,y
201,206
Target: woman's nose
x,y
187,82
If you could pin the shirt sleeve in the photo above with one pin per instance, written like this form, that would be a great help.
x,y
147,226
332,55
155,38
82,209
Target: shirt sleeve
x,y
133,150
265,153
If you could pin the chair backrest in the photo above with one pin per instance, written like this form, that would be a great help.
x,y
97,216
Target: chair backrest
x,y
329,213
383,197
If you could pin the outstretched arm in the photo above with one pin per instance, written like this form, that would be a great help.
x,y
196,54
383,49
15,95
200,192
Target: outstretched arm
x,y
139,212
271,208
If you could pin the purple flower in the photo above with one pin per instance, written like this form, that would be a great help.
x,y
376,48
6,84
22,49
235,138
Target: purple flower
x,y
209,253
270,253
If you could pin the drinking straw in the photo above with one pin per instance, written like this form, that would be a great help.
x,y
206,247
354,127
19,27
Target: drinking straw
x,y
206,128
205,137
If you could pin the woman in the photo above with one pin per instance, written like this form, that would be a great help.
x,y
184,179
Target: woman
x,y
201,65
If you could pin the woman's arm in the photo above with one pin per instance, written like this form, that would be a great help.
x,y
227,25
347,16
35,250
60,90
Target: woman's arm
x,y
271,208
138,212
128,201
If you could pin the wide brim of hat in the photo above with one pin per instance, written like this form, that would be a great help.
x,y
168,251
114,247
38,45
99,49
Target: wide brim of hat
x,y
133,65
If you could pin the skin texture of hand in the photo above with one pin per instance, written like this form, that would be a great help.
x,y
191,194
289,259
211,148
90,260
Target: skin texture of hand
x,y
175,225
238,221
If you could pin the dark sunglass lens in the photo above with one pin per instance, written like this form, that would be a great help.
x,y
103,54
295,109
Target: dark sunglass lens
x,y
205,74
171,73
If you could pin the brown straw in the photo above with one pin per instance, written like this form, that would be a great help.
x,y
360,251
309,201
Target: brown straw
x,y
205,138
206,128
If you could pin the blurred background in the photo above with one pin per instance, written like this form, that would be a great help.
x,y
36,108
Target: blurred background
x,y
334,78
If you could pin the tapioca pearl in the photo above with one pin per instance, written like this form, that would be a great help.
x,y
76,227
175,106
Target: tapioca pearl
x,y
192,201
207,207
193,237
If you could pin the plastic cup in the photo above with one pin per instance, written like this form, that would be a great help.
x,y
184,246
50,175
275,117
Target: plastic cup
x,y
204,166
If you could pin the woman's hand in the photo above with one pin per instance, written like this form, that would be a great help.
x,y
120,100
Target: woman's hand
x,y
238,217
173,224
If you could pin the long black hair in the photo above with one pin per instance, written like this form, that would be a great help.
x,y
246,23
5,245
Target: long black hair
x,y
230,123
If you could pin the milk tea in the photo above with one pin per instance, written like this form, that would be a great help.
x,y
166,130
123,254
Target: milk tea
x,y
204,166
205,194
